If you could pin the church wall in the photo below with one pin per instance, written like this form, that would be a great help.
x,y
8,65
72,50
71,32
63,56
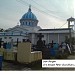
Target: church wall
x,y
6,38
45,38
48,37
9,38
53,37
33,38
62,37
56,37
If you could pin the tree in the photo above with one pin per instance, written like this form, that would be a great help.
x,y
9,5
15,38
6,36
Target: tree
x,y
1,30
67,40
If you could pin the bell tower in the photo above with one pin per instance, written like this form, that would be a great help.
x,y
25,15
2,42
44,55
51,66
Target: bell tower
x,y
71,23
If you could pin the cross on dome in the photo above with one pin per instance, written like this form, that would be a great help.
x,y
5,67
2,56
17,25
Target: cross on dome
x,y
29,8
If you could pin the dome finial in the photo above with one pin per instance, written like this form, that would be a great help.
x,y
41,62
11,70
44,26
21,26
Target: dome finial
x,y
29,8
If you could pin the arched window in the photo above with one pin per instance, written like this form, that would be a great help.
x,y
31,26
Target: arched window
x,y
29,23
26,23
23,23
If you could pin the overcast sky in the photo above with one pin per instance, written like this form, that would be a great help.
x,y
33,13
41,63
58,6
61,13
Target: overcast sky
x,y
50,13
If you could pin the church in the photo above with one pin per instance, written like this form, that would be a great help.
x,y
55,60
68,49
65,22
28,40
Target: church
x,y
29,29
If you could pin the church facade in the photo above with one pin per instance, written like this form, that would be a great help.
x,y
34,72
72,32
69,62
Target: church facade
x,y
29,29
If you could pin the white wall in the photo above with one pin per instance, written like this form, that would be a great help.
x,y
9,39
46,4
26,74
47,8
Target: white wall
x,y
57,38
20,38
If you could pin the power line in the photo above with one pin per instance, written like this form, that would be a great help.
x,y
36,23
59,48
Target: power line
x,y
63,24
43,12
70,8
67,4
49,11
25,3
46,8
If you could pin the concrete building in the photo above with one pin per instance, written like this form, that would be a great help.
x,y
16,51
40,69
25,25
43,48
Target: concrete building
x,y
29,29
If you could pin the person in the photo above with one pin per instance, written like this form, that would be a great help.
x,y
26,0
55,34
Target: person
x,y
63,47
60,49
69,48
52,50
28,40
40,45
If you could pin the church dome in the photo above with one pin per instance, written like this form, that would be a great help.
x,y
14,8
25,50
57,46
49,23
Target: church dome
x,y
29,15
29,19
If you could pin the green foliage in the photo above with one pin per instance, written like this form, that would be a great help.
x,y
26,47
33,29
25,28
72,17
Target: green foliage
x,y
72,39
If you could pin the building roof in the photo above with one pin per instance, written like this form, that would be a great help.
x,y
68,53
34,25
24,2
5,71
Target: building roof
x,y
29,15
54,29
71,19
63,30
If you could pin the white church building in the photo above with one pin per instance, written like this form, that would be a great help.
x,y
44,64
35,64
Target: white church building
x,y
29,29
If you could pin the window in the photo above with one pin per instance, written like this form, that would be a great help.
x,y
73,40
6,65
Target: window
x,y
0,39
5,37
26,23
10,37
23,23
29,23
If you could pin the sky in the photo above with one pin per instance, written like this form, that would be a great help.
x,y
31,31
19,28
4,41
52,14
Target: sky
x,y
50,13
